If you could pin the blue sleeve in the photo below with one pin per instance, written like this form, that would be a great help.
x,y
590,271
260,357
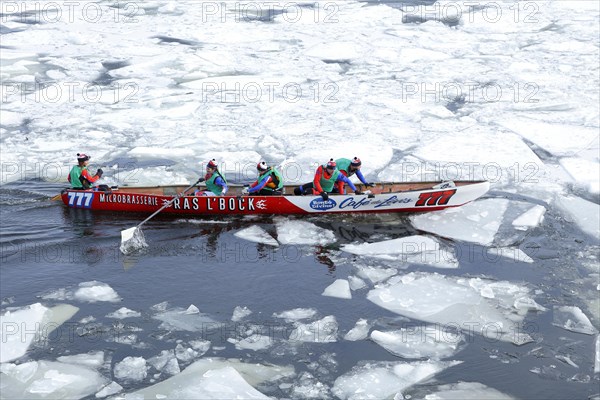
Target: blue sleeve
x,y
260,185
343,178
360,176
221,182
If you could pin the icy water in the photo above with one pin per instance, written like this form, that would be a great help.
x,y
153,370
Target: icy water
x,y
496,299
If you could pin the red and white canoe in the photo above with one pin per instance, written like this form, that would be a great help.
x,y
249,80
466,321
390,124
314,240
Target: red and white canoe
x,y
385,197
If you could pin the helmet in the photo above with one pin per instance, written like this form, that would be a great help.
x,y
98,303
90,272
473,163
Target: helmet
x,y
355,162
212,164
331,164
81,157
262,166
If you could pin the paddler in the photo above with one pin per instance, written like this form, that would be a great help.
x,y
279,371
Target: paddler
x,y
79,176
324,181
268,183
348,168
216,185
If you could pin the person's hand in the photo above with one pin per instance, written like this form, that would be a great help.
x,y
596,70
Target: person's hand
x,y
201,180
358,192
324,195
245,191
370,184
99,172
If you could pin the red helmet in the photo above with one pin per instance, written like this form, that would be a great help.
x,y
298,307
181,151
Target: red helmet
x,y
331,164
212,164
262,166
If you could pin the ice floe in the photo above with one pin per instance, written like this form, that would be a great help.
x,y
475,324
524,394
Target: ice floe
x,y
93,360
340,288
296,314
476,222
165,362
359,332
380,380
466,391
410,249
324,330
183,320
131,369
597,358
109,390
420,341
584,213
239,313
488,308
256,234
47,379
253,342
90,292
356,283
573,319
214,378
295,232
34,318
586,173
123,313
375,274
530,218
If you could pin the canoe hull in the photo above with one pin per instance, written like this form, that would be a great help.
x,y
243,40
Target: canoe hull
x,y
418,200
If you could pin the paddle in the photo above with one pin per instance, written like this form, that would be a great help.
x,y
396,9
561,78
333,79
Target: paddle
x,y
133,239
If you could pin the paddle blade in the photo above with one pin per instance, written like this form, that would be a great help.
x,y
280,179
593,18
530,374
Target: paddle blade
x,y
132,239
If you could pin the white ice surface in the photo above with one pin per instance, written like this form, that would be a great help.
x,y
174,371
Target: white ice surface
x,y
49,380
93,359
597,358
425,341
530,218
474,305
296,232
359,332
254,342
165,362
467,391
296,314
583,212
340,288
239,313
573,319
123,313
33,318
382,380
356,283
476,222
586,173
415,249
256,234
214,378
89,292
131,369
183,320
108,390
321,331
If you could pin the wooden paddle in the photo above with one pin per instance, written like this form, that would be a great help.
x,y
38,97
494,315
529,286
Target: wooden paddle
x,y
130,236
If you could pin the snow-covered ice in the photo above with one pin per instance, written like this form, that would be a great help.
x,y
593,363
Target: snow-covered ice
x,y
423,341
385,379
123,313
256,234
359,332
34,318
573,319
530,218
131,369
295,232
476,222
467,391
340,288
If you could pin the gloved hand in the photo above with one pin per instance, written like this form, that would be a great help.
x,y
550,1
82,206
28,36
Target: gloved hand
x,y
99,172
245,191
357,192
324,195
370,184
201,180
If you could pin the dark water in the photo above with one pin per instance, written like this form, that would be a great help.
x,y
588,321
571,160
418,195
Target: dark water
x,y
46,246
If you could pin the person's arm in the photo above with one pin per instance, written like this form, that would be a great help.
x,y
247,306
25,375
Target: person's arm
x,y
360,176
258,186
344,179
317,181
220,182
86,174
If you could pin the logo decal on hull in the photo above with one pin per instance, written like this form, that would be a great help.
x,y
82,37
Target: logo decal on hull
x,y
320,204
435,198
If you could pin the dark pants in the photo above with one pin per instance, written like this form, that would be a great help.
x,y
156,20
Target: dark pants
x,y
307,188
267,192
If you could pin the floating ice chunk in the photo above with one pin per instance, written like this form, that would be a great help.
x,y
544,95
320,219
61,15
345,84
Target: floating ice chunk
x,y
93,360
321,331
476,222
375,274
296,314
340,289
467,391
239,313
214,378
308,387
179,319
95,291
131,369
530,218
359,332
586,173
356,283
567,360
597,361
192,309
108,390
302,232
185,354
425,341
385,379
32,318
584,213
201,346
573,319
475,305
256,234
160,361
254,342
51,380
123,313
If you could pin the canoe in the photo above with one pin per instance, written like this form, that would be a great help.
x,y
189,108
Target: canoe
x,y
384,197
